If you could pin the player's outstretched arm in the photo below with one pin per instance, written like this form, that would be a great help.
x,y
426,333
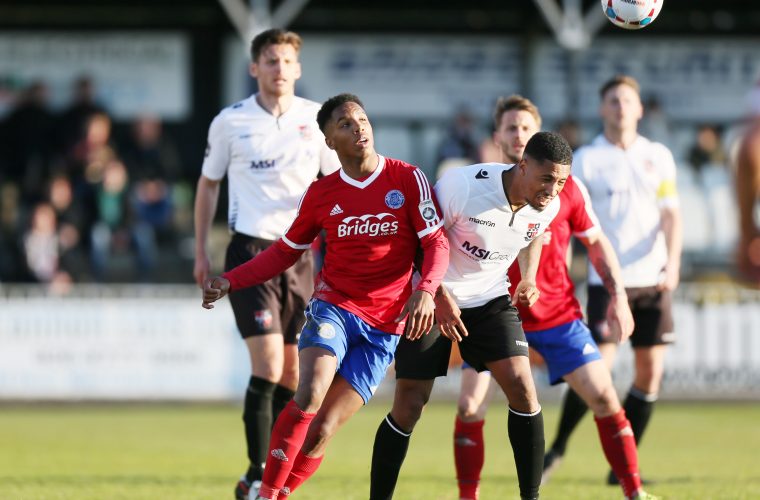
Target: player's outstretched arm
x,y
447,315
603,258
213,290
526,292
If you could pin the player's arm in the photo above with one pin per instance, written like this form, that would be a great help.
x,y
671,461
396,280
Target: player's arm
x,y
526,292
603,258
215,163
265,266
425,216
272,261
206,198
670,222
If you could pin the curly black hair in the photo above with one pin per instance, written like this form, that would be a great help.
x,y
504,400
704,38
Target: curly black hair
x,y
549,146
323,116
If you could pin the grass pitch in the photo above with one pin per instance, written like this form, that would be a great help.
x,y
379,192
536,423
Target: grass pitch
x,y
705,451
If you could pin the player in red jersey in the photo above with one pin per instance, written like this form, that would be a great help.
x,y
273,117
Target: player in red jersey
x,y
553,324
376,213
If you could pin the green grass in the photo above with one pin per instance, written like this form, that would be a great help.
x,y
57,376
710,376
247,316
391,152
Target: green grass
x,y
196,452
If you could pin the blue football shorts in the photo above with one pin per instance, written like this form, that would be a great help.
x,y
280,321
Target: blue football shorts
x,y
364,353
564,348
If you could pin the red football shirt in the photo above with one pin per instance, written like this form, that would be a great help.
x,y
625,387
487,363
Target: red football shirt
x,y
373,228
557,304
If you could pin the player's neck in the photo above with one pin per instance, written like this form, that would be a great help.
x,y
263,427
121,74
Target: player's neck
x,y
620,138
276,105
360,167
510,190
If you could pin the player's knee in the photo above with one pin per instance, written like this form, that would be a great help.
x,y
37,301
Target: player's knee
x,y
320,436
467,408
289,377
268,371
407,409
604,402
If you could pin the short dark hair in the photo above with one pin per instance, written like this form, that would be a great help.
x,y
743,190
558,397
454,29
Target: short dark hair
x,y
274,37
325,112
618,80
549,146
514,102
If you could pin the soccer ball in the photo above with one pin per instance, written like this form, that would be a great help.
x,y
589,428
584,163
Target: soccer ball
x,y
631,14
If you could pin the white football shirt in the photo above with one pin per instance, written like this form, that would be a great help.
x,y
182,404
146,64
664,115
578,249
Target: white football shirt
x,y
270,162
628,189
485,235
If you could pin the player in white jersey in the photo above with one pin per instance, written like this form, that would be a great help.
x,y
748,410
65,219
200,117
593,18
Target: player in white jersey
x,y
271,149
494,214
632,184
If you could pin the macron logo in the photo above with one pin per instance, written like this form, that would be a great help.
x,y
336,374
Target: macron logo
x,y
279,455
588,349
336,210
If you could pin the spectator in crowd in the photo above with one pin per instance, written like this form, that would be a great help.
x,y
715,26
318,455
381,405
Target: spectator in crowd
x,y
41,244
707,149
71,221
460,142
12,259
570,129
72,122
153,164
28,133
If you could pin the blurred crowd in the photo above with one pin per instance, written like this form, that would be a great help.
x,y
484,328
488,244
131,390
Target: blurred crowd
x,y
82,203
83,199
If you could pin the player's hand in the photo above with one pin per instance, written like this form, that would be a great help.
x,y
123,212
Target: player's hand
x,y
200,269
670,277
447,315
420,311
526,294
619,318
213,290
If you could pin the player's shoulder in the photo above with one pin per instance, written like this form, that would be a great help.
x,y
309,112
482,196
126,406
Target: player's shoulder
x,y
476,174
402,170
598,146
306,104
656,148
247,105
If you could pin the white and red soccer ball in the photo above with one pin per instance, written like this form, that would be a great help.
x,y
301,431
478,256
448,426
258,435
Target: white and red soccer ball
x,y
631,14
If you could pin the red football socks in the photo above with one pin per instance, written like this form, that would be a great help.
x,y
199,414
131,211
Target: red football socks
x,y
469,456
303,468
288,435
619,447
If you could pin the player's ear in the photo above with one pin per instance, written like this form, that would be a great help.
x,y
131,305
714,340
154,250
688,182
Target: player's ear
x,y
330,143
253,70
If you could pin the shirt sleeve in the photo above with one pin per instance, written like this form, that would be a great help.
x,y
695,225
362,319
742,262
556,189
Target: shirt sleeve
x,y
667,193
452,192
283,253
305,228
217,157
582,219
424,209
